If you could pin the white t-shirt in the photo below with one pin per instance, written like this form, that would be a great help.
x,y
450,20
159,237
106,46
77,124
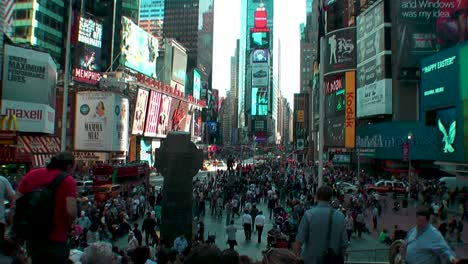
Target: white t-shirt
x,y
260,220
246,219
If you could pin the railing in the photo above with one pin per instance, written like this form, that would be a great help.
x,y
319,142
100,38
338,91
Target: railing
x,y
377,255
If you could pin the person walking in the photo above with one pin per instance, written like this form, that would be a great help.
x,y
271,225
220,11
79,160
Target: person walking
x,y
259,224
54,248
247,222
424,244
349,226
375,215
148,227
231,231
322,228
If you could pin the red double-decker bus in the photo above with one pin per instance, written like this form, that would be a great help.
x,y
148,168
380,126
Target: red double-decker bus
x,y
108,180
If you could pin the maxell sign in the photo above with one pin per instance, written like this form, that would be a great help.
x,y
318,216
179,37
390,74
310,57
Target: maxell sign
x,y
29,83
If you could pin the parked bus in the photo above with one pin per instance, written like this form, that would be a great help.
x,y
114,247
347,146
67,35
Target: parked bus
x,y
109,181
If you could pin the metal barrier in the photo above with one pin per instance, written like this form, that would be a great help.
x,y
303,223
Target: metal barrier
x,y
377,255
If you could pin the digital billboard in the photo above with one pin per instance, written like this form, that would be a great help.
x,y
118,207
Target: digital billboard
x,y
139,49
260,74
87,59
164,114
146,151
101,122
373,84
197,85
260,40
152,116
426,27
335,131
179,65
260,18
213,128
340,51
215,102
139,115
259,105
29,84
197,123
260,55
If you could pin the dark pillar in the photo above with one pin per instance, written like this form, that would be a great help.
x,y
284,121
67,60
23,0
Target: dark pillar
x,y
178,160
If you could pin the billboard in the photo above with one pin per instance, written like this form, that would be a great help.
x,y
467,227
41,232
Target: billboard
x,y
426,27
260,18
101,122
260,40
87,59
153,114
340,51
374,84
197,123
335,131
146,151
440,75
350,112
197,85
164,112
213,127
259,105
179,65
139,115
260,74
177,118
335,95
139,49
29,82
260,55
215,102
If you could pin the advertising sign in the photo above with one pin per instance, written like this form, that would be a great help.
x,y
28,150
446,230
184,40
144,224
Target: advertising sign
x,y
260,18
87,59
335,131
177,120
213,128
260,55
425,27
260,73
179,65
340,51
440,76
335,103
259,101
101,122
189,120
215,101
350,112
197,85
29,82
260,40
146,151
197,123
153,114
139,49
164,112
374,84
140,112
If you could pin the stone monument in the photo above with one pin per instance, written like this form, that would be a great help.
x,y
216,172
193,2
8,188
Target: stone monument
x,y
178,160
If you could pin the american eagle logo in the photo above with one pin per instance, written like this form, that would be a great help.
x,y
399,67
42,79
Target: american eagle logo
x,y
449,138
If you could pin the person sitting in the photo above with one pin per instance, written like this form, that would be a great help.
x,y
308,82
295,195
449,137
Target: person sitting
x,y
384,237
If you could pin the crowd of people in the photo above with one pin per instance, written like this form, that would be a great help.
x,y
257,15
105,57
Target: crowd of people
x,y
296,207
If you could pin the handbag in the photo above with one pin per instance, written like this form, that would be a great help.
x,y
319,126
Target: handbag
x,y
329,256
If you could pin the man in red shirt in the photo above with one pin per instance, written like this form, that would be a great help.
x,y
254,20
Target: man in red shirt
x,y
53,249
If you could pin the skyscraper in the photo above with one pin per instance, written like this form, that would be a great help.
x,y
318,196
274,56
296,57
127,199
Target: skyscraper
x,y
190,22
38,23
152,17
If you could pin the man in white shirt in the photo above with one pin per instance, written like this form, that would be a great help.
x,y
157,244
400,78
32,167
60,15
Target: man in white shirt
x,y
259,223
231,235
247,221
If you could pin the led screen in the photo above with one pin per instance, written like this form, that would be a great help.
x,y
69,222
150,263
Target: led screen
x,y
260,40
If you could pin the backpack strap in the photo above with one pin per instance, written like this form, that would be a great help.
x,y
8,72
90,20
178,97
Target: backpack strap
x,y
56,182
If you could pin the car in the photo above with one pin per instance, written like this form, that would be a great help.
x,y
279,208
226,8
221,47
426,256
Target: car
x,y
84,187
260,74
347,187
107,191
385,186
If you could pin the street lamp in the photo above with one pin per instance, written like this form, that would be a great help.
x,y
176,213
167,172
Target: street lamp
x,y
410,138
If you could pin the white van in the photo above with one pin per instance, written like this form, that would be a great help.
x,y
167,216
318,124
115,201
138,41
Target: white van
x,y
452,182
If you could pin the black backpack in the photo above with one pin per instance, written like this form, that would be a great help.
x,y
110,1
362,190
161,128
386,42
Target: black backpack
x,y
34,212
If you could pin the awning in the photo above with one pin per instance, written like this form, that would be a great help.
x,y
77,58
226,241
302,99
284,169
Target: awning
x,y
41,160
38,144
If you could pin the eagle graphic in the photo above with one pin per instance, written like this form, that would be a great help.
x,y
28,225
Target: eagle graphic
x,y
448,138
